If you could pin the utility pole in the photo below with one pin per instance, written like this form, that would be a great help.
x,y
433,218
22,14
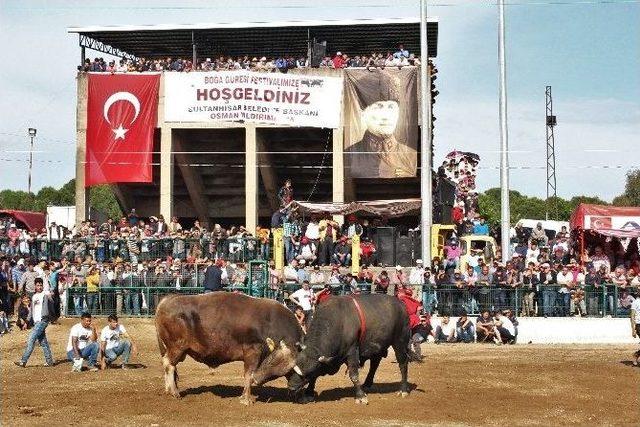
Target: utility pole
x,y
551,155
32,135
505,217
426,192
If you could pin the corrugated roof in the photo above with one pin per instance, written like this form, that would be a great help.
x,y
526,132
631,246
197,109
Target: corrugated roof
x,y
355,37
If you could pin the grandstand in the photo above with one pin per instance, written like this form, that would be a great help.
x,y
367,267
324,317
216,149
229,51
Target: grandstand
x,y
230,171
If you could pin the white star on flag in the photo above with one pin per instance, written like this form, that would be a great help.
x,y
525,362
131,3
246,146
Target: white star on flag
x,y
120,132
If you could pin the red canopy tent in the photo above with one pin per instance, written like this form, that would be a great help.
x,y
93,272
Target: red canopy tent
x,y
612,221
33,221
609,221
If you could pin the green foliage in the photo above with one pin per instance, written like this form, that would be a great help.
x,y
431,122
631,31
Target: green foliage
x,y
529,207
631,195
101,198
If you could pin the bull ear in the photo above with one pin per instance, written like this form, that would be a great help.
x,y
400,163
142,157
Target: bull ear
x,y
300,346
325,359
283,345
270,344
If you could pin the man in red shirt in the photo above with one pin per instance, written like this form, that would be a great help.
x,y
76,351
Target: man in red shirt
x,y
412,305
338,60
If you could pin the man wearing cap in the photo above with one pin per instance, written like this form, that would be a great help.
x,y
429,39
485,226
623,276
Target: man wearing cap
x,y
339,60
452,253
379,154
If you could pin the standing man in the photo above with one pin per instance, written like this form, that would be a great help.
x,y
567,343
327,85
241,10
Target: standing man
x,y
213,276
303,298
635,324
41,310
83,343
114,342
285,194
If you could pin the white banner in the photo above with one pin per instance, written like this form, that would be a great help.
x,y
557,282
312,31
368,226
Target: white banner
x,y
250,97
599,222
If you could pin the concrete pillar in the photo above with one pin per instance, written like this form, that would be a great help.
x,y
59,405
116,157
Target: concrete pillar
x,y
338,169
251,179
166,173
82,193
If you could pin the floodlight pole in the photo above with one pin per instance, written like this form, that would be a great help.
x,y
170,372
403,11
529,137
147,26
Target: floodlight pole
x,y
505,215
32,135
426,193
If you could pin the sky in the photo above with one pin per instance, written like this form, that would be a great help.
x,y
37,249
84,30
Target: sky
x,y
587,50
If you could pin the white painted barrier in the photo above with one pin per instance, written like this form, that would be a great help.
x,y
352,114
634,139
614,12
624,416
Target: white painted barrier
x,y
570,330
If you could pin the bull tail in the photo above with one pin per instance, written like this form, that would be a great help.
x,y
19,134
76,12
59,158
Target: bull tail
x,y
161,346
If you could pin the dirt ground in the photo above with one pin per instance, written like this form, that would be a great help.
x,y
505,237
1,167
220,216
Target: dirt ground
x,y
457,385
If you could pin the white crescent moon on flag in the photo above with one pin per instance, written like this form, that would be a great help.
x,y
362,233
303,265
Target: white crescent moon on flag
x,y
121,96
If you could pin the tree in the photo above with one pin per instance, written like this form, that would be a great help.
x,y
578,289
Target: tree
x,y
100,198
631,195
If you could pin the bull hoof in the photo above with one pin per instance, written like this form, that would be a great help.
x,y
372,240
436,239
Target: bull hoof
x,y
175,394
362,400
403,394
247,400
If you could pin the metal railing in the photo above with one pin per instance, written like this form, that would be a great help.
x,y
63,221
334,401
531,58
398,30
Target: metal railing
x,y
109,250
138,299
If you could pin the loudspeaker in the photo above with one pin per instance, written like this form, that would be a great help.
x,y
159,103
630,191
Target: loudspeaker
x,y
386,245
318,51
416,246
445,192
404,244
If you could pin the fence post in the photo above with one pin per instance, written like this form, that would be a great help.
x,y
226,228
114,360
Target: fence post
x,y
517,299
604,300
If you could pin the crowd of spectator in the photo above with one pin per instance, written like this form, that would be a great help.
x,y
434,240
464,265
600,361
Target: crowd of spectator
x,y
398,58
461,169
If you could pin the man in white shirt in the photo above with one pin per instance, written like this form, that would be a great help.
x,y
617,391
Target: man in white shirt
x,y
83,344
505,328
41,310
114,342
303,298
635,324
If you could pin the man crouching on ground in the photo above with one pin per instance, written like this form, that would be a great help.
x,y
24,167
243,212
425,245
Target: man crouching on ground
x,y
114,342
83,344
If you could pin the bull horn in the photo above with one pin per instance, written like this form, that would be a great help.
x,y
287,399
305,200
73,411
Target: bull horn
x,y
283,345
270,344
324,359
297,370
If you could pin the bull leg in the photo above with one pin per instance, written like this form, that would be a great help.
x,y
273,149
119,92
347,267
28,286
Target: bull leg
x,y
401,348
309,394
373,367
170,376
251,362
353,366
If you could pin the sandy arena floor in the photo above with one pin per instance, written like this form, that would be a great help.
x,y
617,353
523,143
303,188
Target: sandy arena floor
x,y
458,385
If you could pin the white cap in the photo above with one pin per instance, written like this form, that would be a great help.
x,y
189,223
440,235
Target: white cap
x,y
338,53
20,261
418,261
398,267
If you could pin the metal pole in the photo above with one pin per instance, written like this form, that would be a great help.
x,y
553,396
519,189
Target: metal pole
x,y
505,217
426,193
193,46
30,166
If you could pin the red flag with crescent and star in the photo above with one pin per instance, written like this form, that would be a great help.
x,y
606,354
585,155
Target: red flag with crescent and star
x,y
122,112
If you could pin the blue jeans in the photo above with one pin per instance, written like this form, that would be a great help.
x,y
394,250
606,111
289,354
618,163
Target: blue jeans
x,y
92,302
132,303
429,300
549,297
89,352
78,304
123,349
564,301
465,334
288,249
38,334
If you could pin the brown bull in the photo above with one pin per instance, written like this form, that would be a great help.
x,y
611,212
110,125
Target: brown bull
x,y
220,327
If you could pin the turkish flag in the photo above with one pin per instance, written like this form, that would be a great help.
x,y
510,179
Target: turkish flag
x,y
121,118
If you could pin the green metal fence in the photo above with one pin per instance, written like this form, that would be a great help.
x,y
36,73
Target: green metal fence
x,y
548,301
